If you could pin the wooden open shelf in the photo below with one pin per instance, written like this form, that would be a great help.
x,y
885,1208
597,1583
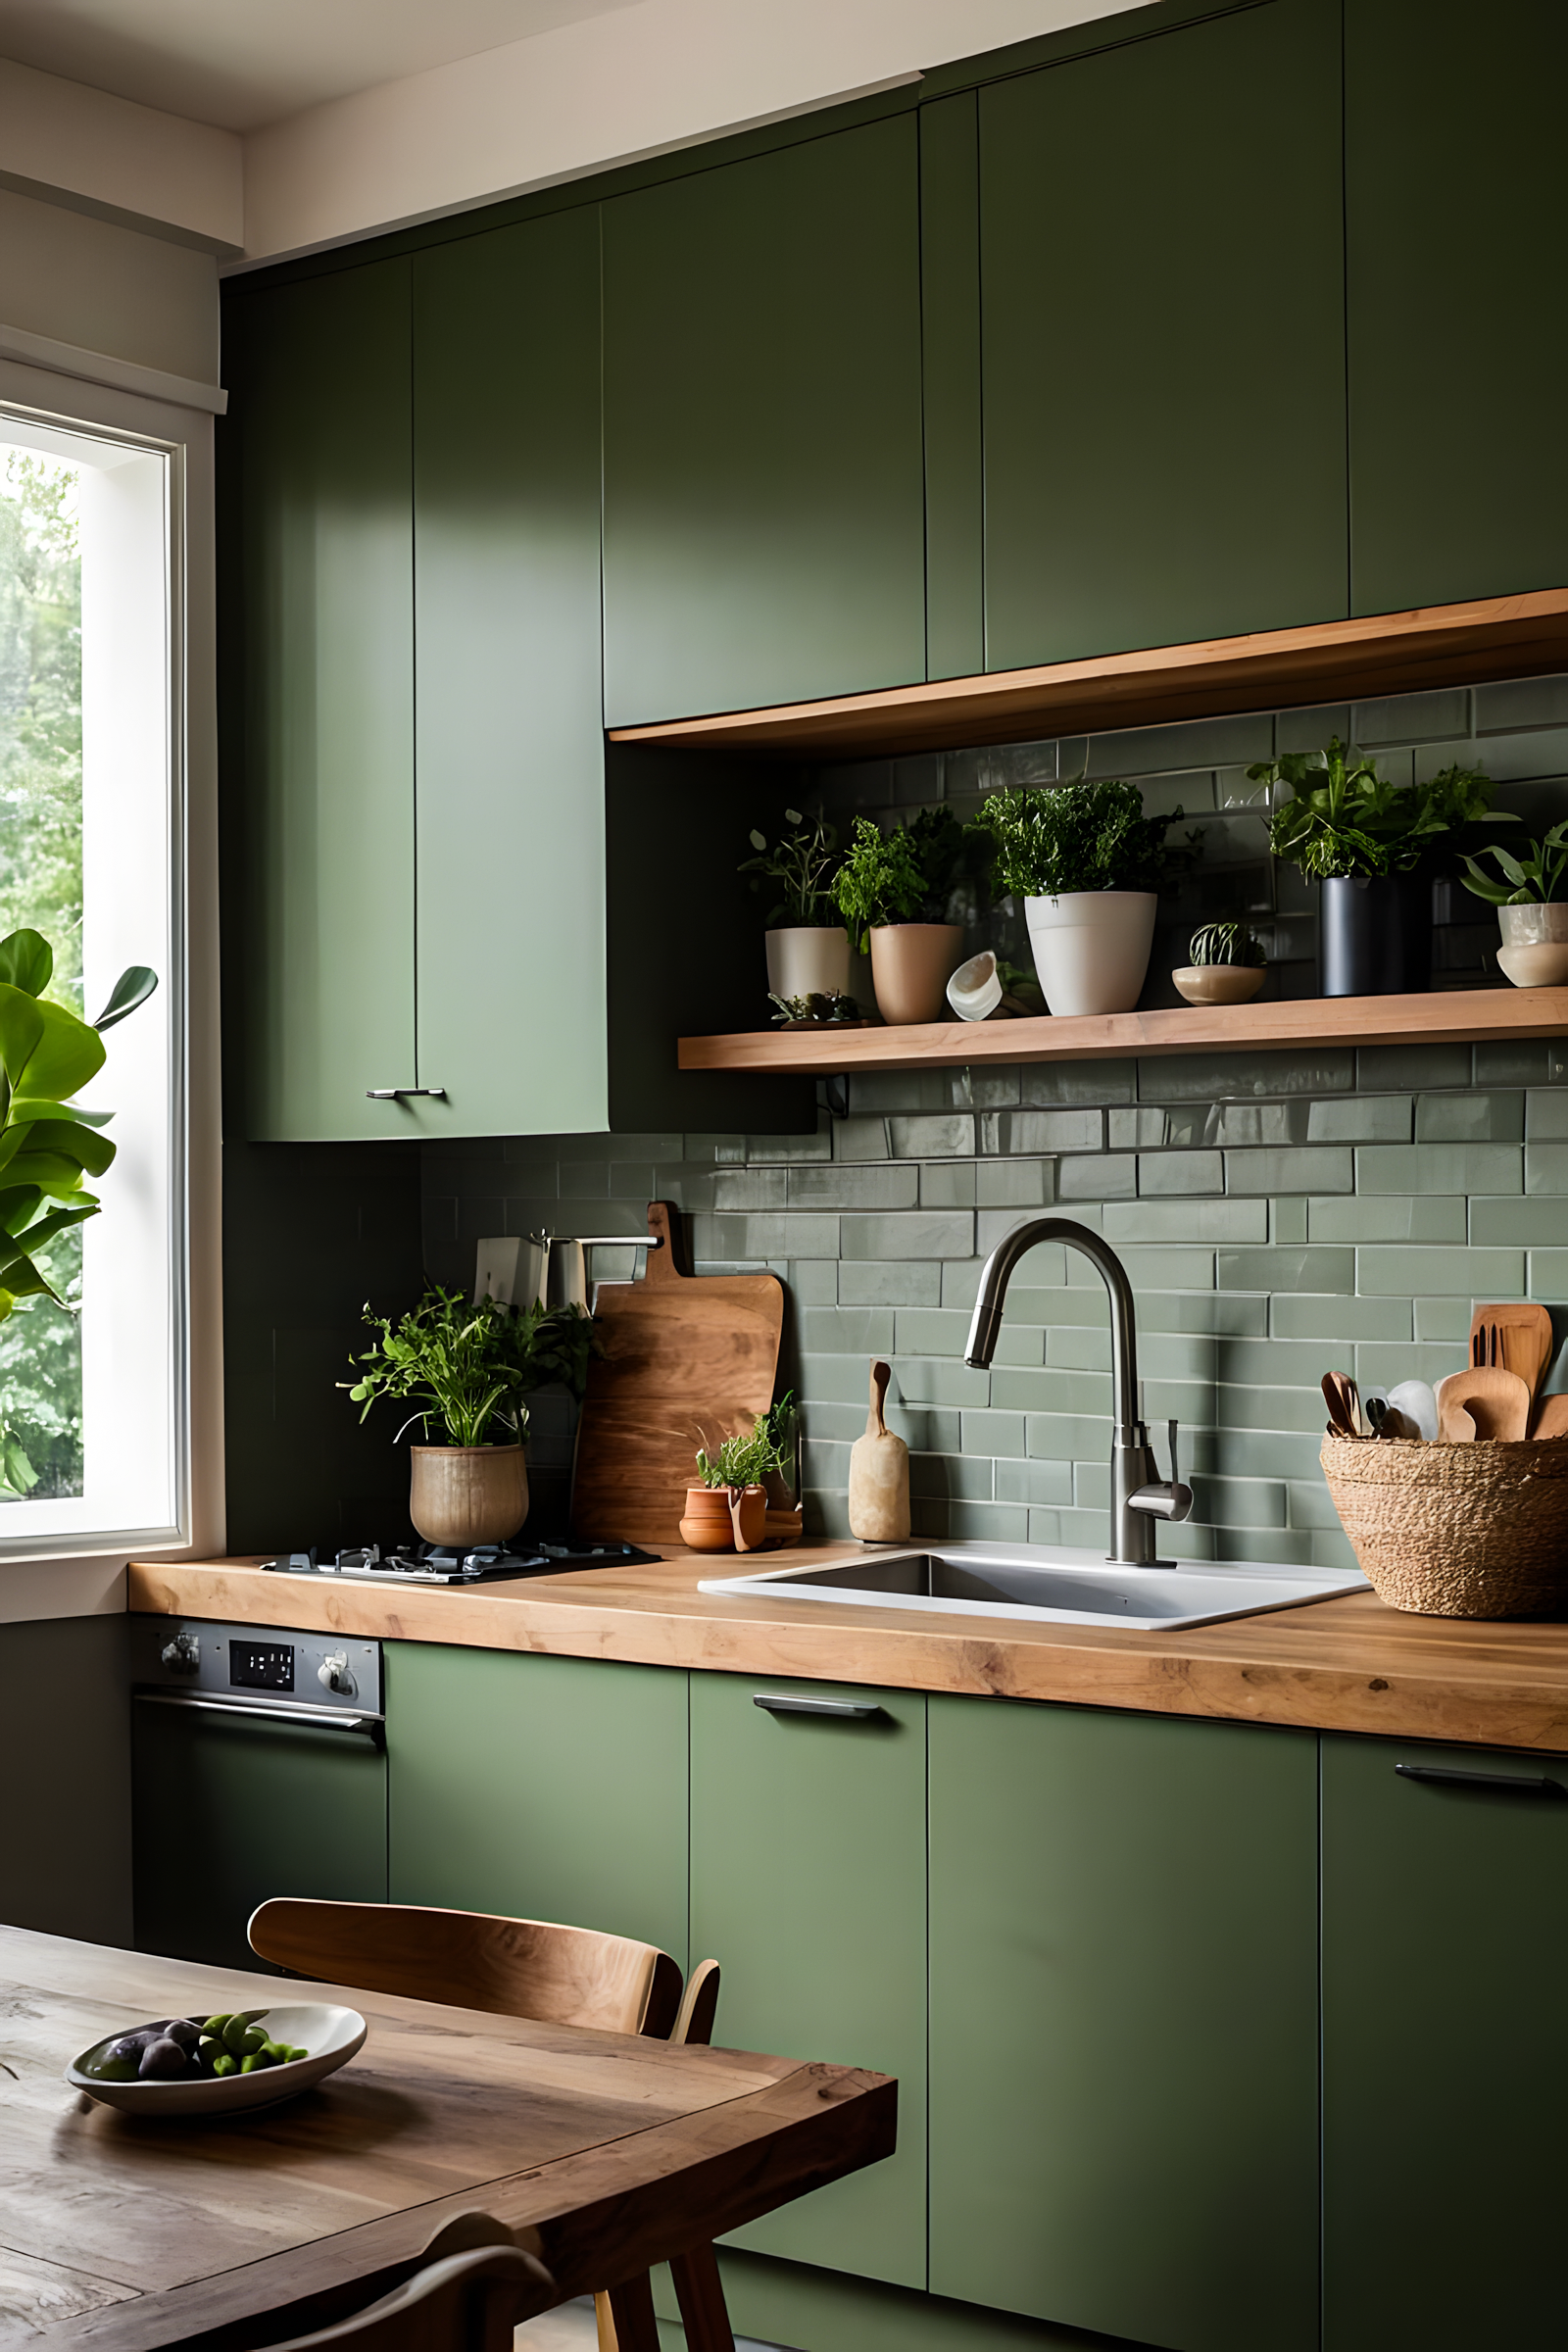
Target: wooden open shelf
x,y
1442,1018
1330,661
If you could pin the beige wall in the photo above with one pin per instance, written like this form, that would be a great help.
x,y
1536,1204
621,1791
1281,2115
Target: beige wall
x,y
106,288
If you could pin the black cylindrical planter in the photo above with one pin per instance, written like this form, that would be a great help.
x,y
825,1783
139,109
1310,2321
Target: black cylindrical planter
x,y
1375,935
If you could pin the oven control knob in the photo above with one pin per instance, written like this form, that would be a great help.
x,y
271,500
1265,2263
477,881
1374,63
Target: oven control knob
x,y
333,1674
182,1655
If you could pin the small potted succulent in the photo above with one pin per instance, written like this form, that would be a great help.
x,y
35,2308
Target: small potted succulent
x,y
1227,966
807,946
896,892
468,1369
1088,865
1532,903
728,1509
1371,846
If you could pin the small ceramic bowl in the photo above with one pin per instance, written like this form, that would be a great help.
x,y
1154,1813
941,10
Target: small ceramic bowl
x,y
331,2035
974,992
1218,983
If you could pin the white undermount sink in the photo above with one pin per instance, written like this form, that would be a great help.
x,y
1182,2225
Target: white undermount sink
x,y
1046,1584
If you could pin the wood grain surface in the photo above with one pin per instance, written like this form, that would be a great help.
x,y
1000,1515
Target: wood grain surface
x,y
1351,1664
689,1360
601,2153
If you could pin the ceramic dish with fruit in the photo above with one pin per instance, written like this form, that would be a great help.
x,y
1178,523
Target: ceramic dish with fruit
x,y
217,2064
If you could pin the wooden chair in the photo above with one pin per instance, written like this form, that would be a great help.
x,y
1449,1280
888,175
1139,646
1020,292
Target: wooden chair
x,y
467,2303
521,1968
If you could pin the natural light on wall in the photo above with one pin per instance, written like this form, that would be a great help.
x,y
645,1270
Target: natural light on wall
x,y
89,829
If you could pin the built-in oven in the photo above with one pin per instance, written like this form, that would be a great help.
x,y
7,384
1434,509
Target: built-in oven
x,y
259,1768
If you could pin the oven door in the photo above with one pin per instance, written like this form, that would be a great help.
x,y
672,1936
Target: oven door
x,y
237,1801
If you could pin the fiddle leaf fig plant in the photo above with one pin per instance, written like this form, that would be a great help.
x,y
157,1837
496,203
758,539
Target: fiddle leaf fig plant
x,y
470,1367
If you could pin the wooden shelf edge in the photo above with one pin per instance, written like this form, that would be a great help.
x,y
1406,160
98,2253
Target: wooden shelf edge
x,y
1386,653
1438,1017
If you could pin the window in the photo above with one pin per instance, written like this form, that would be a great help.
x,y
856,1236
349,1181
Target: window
x,y
90,836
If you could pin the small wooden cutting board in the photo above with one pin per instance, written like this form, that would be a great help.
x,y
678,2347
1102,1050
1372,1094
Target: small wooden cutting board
x,y
689,1360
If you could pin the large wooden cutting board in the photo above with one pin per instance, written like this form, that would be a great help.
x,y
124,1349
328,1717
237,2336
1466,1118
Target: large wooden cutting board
x,y
689,1360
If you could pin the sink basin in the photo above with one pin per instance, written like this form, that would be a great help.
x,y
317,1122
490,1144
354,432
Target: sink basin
x,y
1047,1583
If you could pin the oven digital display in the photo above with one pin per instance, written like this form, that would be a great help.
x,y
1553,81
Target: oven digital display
x,y
262,1665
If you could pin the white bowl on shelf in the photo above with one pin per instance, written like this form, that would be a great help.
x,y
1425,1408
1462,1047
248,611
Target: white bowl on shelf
x,y
331,2035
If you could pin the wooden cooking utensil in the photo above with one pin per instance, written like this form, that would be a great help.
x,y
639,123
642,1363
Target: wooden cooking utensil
x,y
1512,1339
1344,1403
1496,1403
1552,1421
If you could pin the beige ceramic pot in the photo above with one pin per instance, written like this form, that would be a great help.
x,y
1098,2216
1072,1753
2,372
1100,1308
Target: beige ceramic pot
x,y
1535,944
724,1518
911,964
1218,983
466,1495
808,961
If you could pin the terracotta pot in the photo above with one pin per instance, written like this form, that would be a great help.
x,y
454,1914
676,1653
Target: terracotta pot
x,y
1218,983
724,1518
467,1495
910,967
808,961
1090,948
1535,944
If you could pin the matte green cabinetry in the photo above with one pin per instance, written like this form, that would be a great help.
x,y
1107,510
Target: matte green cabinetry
x,y
1124,2024
1444,2050
1458,332
809,1885
546,1788
326,619
763,510
1163,339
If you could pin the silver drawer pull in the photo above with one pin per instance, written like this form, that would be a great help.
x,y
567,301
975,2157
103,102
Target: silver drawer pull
x,y
327,1719
395,1093
846,1710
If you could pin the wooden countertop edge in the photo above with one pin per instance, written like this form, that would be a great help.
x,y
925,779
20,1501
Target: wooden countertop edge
x,y
1349,1664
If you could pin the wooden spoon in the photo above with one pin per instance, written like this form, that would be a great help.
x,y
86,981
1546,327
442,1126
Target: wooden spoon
x,y
1338,1395
1512,1339
1552,1421
1496,1405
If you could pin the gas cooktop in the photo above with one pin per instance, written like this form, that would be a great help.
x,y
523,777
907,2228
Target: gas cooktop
x,y
445,1564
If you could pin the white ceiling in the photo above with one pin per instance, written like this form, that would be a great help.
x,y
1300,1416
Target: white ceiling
x,y
244,63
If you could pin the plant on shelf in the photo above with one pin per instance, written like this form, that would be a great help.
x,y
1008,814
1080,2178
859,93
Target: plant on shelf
x,y
816,1011
48,1146
1532,903
1225,943
1226,967
727,1506
802,864
896,892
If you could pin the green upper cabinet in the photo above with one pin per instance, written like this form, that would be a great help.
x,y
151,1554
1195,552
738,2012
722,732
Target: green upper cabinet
x,y
325,625
1444,2047
1457,216
1124,2024
509,786
808,1887
1162,283
763,506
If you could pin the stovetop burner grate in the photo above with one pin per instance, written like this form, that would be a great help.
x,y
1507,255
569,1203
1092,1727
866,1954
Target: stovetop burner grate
x,y
445,1564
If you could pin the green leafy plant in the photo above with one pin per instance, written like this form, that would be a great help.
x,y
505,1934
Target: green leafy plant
x,y
1225,943
470,1366
745,1460
1536,876
1344,820
802,864
909,875
48,1149
1053,839
823,1012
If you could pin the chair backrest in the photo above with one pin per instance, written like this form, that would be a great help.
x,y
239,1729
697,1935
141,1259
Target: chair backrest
x,y
474,1960
468,2303
698,2006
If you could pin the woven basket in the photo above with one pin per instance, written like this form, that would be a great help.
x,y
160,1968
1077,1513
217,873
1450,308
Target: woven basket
x,y
1477,1530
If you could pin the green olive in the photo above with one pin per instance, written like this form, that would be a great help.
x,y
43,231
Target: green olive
x,y
216,2025
226,2065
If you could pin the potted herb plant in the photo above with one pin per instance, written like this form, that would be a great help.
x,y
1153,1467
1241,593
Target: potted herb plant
x,y
1088,865
1370,844
728,1509
468,1369
1227,966
896,891
808,946
1532,903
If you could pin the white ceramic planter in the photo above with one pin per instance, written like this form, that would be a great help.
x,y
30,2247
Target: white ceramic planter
x,y
1090,948
1535,944
808,961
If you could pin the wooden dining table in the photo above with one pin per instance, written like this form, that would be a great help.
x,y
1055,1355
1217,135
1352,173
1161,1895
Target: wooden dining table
x,y
602,2153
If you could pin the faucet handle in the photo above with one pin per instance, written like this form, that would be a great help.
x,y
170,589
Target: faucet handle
x,y
1171,1427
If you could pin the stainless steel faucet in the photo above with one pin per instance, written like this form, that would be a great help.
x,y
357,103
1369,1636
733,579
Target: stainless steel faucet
x,y
1138,1496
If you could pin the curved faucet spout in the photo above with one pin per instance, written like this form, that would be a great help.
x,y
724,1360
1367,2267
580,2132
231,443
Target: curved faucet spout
x,y
981,1344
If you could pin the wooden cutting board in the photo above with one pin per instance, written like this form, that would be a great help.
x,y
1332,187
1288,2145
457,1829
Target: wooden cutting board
x,y
689,1360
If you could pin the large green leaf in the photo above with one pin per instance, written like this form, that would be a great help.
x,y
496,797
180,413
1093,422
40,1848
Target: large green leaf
x,y
17,1473
133,987
67,1138
18,1202
23,1280
33,1238
26,962
54,1172
47,1053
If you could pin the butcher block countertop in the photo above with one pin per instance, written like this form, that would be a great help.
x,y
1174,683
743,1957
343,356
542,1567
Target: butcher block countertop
x,y
1347,1665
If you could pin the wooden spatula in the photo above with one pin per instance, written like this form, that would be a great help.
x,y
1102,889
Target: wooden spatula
x,y
1512,1339
1338,1395
1496,1403
1552,1421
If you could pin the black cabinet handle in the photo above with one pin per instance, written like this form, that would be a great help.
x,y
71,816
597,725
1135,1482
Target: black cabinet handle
x,y
1518,1783
846,1710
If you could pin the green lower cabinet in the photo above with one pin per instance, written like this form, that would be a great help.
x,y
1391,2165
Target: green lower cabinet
x,y
1124,2064
809,1887
1446,2049
545,1787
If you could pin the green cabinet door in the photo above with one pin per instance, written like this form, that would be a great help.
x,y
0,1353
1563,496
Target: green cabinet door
x,y
1124,2024
509,787
808,1888
544,1788
1444,2049
319,458
1162,282
764,511
1458,335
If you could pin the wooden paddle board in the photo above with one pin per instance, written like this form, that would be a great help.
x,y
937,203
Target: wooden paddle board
x,y
689,1360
